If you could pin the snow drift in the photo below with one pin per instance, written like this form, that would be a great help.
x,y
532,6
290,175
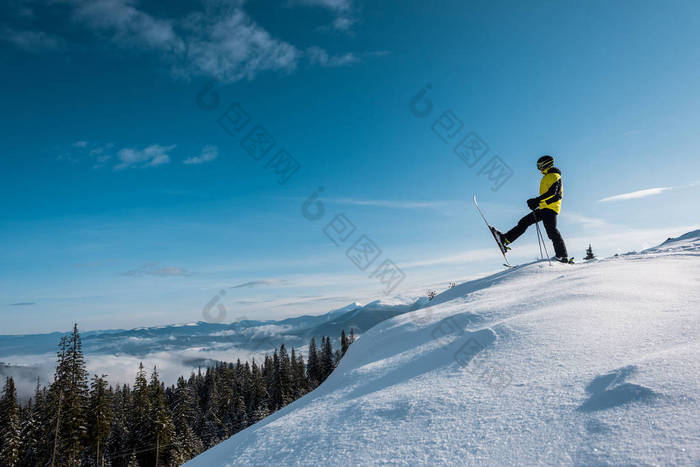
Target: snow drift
x,y
594,363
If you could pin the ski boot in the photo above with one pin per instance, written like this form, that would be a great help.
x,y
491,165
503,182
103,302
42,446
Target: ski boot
x,y
502,240
564,259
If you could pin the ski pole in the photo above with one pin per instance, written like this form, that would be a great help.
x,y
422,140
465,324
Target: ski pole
x,y
540,239
544,244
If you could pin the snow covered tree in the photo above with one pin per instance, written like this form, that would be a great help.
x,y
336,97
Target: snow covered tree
x,y
139,418
186,443
99,418
258,407
68,402
31,432
299,382
283,379
213,427
240,415
313,365
327,358
119,444
161,423
344,342
76,399
10,428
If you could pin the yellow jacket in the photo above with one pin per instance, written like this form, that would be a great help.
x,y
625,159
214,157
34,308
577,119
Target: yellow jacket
x,y
551,190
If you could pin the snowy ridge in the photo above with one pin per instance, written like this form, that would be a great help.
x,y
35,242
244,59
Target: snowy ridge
x,y
595,363
688,243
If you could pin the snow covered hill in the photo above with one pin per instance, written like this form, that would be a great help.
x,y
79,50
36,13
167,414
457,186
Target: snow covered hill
x,y
596,363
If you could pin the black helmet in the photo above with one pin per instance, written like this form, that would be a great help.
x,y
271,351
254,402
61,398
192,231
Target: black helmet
x,y
545,162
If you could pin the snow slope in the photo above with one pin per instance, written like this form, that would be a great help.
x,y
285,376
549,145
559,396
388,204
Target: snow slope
x,y
596,363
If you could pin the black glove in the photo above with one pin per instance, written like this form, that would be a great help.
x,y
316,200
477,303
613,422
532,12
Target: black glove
x,y
532,203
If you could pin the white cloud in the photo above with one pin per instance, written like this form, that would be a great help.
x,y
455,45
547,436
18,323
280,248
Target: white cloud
x,y
259,283
648,192
153,270
151,156
31,41
342,9
636,194
128,25
98,153
228,45
220,42
382,203
334,5
343,23
318,56
209,153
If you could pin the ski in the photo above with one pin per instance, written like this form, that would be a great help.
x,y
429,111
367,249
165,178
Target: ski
x,y
493,233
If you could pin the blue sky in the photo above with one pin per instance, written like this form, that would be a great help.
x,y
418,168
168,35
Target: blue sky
x,y
126,203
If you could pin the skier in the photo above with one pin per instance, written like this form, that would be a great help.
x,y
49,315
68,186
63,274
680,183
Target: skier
x,y
545,208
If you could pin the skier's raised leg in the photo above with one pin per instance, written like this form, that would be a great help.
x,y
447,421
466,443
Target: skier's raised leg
x,y
513,234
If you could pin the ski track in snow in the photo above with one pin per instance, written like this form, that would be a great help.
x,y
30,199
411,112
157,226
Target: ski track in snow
x,y
595,363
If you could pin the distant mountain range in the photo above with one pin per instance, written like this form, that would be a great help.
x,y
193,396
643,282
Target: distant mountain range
x,y
187,346
253,335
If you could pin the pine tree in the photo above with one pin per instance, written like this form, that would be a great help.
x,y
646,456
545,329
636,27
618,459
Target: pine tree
x,y
161,423
99,418
284,378
327,358
589,253
68,402
258,407
10,441
139,418
31,433
299,381
352,336
313,366
54,406
240,418
344,342
186,443
212,430
74,424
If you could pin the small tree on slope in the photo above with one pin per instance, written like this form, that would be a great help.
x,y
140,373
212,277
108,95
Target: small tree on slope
x,y
589,253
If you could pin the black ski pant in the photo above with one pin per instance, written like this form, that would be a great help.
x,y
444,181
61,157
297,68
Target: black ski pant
x,y
549,219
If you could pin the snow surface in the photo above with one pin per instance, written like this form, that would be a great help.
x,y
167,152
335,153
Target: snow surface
x,y
595,363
